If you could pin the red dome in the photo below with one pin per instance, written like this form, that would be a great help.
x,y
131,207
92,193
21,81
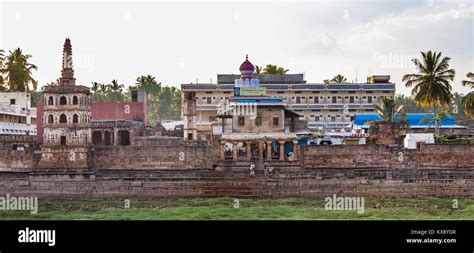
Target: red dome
x,y
247,65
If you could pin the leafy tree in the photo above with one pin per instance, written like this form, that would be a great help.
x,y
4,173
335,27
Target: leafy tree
x,y
152,88
274,69
339,79
116,90
468,100
431,85
18,71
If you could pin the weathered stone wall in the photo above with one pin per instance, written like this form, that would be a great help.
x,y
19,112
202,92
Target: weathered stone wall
x,y
206,183
380,156
154,154
13,159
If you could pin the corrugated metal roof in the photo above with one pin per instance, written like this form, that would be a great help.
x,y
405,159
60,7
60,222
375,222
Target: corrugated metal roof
x,y
307,87
378,86
416,120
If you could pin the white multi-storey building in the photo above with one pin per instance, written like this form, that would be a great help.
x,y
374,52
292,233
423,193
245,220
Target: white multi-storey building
x,y
328,106
16,115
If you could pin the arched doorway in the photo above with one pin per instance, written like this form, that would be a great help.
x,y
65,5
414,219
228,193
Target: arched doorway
x,y
50,119
63,100
97,138
124,137
107,139
63,119
75,101
75,119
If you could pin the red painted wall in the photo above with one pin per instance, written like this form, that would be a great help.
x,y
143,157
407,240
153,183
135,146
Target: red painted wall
x,y
118,110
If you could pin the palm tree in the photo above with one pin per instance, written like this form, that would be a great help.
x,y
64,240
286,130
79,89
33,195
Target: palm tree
x,y
431,85
274,69
152,88
388,109
468,100
116,90
95,86
469,82
18,70
258,70
103,89
339,79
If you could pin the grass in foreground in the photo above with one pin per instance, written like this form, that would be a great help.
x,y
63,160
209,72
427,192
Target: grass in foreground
x,y
264,209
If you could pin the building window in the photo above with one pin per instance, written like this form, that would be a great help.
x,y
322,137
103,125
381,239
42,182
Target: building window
x,y
209,100
212,118
12,101
298,100
241,121
258,121
334,100
50,100
75,119
298,92
63,118
316,118
74,100
276,121
50,119
63,101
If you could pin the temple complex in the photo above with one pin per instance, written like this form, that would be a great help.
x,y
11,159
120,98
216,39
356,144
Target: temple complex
x,y
256,126
66,120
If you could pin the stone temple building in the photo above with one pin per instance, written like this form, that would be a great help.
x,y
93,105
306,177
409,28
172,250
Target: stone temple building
x,y
256,126
67,115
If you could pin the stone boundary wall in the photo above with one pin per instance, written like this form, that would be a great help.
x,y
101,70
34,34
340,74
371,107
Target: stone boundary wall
x,y
12,159
162,154
206,183
380,156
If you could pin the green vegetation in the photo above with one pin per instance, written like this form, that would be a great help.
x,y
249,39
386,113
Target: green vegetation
x,y
17,72
428,208
336,79
468,100
271,70
431,85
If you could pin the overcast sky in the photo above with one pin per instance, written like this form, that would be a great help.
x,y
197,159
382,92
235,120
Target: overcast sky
x,y
180,42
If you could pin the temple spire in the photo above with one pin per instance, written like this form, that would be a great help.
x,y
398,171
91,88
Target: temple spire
x,y
67,72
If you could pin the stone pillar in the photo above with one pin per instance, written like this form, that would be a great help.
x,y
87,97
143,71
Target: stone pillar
x,y
295,150
222,146
234,150
249,151
260,149
269,150
282,150
115,137
102,138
